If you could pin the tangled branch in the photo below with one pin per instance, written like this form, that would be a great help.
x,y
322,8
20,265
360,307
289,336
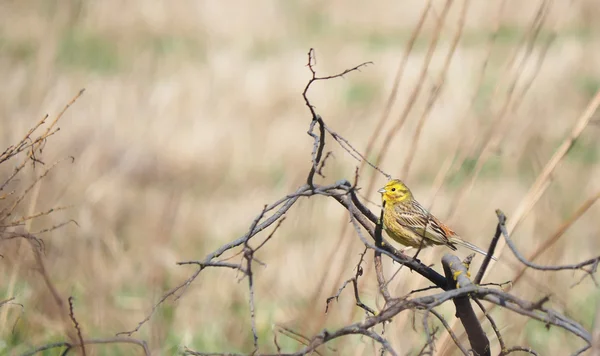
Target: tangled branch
x,y
454,285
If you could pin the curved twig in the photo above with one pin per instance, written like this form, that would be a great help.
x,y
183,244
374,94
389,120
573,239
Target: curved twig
x,y
69,346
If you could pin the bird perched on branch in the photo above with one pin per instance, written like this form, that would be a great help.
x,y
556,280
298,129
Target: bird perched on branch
x,y
409,223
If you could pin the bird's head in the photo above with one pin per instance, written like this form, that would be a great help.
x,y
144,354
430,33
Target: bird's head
x,y
395,192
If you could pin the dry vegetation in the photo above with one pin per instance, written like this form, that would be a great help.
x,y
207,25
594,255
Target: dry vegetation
x,y
193,119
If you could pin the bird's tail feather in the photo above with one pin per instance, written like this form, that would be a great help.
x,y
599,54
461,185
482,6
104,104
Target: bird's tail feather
x,y
470,246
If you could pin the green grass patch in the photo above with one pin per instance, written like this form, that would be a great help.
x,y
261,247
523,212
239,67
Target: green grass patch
x,y
586,307
172,343
317,22
527,168
177,46
491,168
165,315
508,33
12,339
483,97
381,40
536,334
212,339
310,21
263,49
584,151
360,93
588,85
88,51
19,340
277,175
466,168
128,296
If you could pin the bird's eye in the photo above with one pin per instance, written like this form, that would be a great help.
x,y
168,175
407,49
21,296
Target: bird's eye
x,y
393,189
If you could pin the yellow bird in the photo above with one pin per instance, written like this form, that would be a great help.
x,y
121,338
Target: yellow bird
x,y
409,223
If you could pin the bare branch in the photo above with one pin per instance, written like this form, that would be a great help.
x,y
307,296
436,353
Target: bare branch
x,y
249,256
493,323
377,260
518,348
165,296
581,350
354,280
354,153
488,256
320,169
311,63
456,273
203,265
76,325
593,262
69,346
455,286
7,211
57,226
319,144
271,234
558,233
450,332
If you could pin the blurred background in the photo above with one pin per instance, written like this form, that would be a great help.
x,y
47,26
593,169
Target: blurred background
x,y
193,119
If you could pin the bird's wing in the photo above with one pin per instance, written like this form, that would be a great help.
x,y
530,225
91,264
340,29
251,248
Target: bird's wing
x,y
423,224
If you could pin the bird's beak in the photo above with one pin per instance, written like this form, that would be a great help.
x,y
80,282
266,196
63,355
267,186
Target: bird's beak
x,y
382,190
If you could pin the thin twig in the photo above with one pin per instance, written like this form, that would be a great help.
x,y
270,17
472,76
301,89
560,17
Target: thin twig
x,y
558,234
593,262
69,346
377,260
488,256
493,323
354,281
518,348
249,256
76,325
450,332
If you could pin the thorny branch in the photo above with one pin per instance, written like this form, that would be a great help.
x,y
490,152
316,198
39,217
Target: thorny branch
x,y
455,286
76,325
